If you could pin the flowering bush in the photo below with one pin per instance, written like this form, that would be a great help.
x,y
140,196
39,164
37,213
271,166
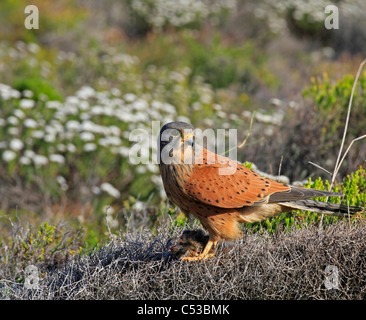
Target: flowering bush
x,y
85,138
161,13
78,146
307,18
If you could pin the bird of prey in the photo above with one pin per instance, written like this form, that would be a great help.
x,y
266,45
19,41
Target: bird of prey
x,y
195,180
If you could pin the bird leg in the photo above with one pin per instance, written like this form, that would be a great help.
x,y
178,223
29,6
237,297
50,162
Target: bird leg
x,y
204,254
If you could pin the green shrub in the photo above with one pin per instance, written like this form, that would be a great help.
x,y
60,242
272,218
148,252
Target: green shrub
x,y
40,88
26,245
331,101
56,18
353,187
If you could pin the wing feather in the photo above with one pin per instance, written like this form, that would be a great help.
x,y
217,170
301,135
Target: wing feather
x,y
243,187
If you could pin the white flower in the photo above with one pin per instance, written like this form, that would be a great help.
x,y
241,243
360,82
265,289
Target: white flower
x,y
61,147
140,105
115,130
124,116
116,92
141,169
88,147
93,127
71,148
129,97
152,167
110,140
72,100
53,104
217,107
29,153
196,106
141,117
85,92
73,125
84,105
27,93
154,115
183,119
86,136
19,113
108,188
97,110
24,160
50,137
108,110
123,151
14,131
62,182
85,116
108,210
167,107
156,105
43,97
16,144
9,155
58,158
27,103
40,160
13,120
15,94
208,122
30,123
275,102
96,190
222,114
139,205
33,47
54,127
37,134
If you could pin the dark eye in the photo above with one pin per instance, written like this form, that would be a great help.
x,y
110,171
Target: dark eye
x,y
173,136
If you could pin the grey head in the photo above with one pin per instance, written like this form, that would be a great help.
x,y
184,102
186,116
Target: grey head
x,y
173,136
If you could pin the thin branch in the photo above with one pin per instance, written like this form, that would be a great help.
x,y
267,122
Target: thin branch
x,y
280,167
338,162
248,134
246,138
319,167
349,147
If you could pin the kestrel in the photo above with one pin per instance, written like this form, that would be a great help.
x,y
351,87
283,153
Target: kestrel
x,y
222,193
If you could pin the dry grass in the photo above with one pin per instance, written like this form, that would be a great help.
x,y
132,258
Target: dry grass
x,y
289,265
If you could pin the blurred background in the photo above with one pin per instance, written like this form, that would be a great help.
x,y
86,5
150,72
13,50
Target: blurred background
x,y
73,90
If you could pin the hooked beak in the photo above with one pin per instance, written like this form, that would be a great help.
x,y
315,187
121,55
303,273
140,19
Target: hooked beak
x,y
188,139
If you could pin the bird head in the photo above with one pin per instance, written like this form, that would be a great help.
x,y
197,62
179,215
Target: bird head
x,y
176,143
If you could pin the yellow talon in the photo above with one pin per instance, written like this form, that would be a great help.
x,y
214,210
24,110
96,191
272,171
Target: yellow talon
x,y
205,253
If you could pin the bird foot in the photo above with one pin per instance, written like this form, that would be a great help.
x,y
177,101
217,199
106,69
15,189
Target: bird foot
x,y
198,257
206,254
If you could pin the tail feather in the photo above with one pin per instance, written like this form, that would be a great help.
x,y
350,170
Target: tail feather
x,y
322,207
298,193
